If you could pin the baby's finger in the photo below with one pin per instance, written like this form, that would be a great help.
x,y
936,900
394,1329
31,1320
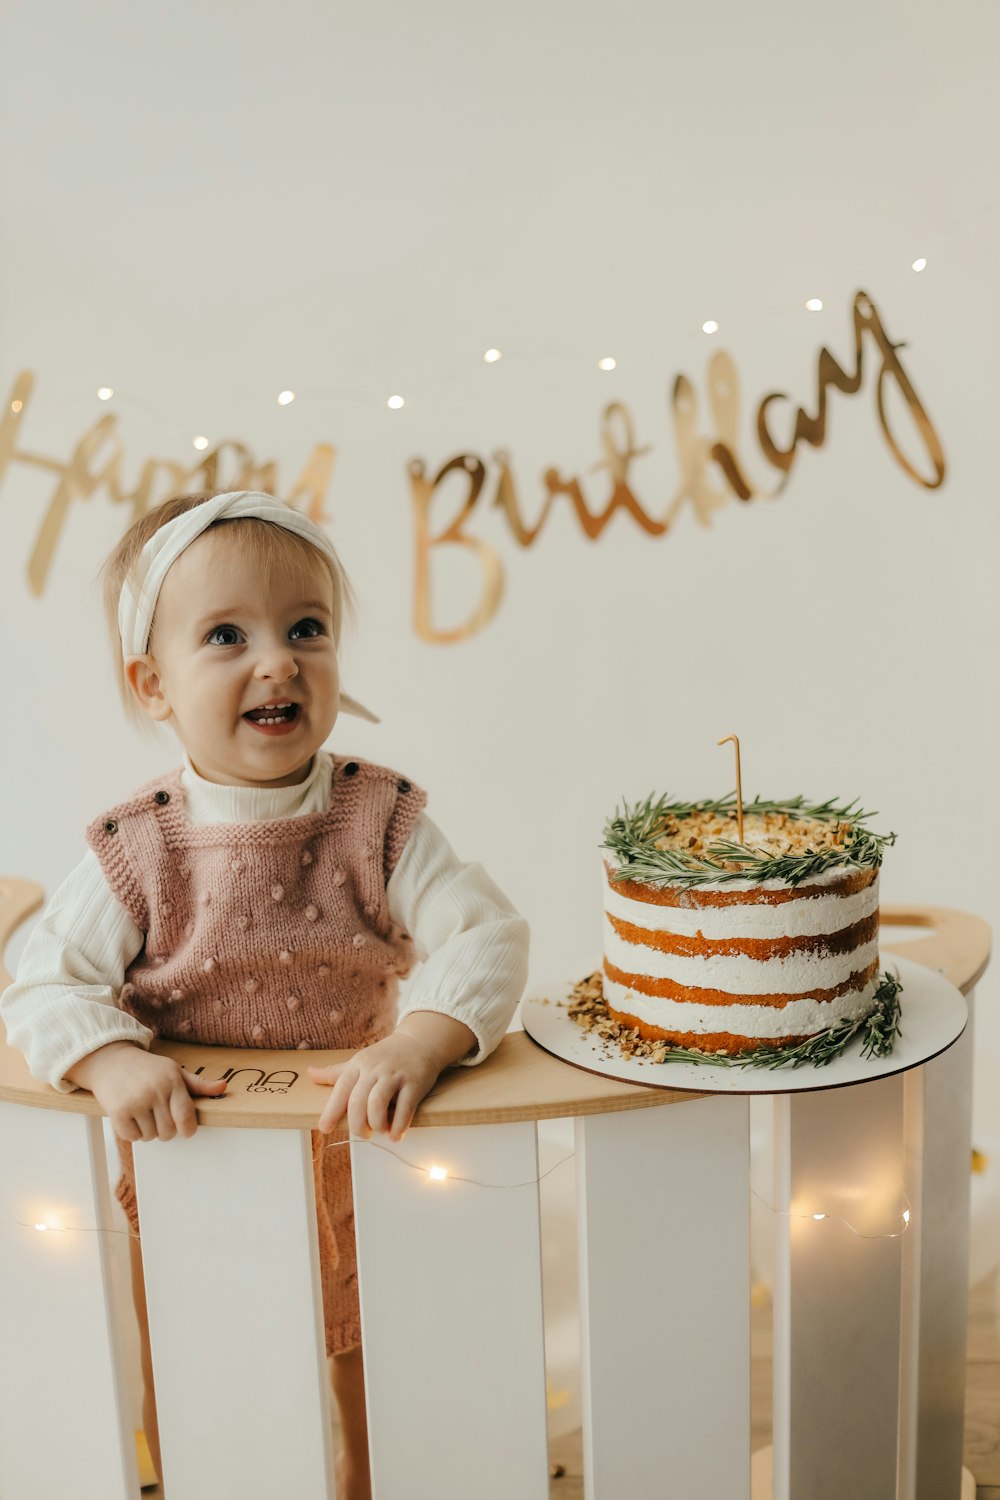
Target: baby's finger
x,y
211,1087
357,1108
378,1103
182,1108
126,1127
145,1124
165,1127
328,1074
336,1106
406,1107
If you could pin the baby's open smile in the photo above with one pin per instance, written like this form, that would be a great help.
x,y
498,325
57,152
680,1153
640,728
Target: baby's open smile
x,y
274,718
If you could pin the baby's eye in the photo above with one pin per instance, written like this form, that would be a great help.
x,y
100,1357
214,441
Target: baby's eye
x,y
230,632
310,627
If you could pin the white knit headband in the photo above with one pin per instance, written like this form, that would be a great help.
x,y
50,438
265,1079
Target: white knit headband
x,y
141,588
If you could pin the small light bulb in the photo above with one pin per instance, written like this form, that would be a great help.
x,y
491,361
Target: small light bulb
x,y
16,405
607,363
105,392
906,1216
814,304
437,1174
710,327
819,1216
920,263
201,442
286,398
492,355
395,402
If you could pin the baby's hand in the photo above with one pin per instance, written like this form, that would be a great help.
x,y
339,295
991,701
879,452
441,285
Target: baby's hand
x,y
145,1096
389,1076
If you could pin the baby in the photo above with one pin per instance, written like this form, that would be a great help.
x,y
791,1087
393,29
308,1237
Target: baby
x,y
267,893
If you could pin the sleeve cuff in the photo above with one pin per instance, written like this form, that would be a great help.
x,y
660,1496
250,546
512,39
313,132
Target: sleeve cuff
x,y
482,1051
141,1036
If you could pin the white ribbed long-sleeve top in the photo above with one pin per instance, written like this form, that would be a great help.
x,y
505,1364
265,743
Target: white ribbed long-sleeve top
x,y
472,944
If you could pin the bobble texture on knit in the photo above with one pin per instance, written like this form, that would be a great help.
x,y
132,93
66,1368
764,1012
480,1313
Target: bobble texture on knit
x,y
274,933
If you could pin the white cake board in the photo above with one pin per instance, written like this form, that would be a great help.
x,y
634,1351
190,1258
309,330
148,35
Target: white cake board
x,y
762,1477
933,1015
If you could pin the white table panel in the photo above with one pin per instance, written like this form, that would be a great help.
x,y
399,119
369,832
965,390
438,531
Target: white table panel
x,y
837,1292
62,1388
231,1265
938,1126
451,1309
665,1301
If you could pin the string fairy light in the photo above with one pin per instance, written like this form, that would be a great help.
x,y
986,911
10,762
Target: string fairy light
x,y
904,1216
492,355
436,1172
489,356
433,1173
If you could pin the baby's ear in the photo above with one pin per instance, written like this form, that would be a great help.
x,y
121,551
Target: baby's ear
x,y
143,678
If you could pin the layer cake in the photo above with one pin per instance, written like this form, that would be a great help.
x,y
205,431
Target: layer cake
x,y
727,946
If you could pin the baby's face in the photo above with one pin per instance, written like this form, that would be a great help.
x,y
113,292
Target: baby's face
x,y
224,646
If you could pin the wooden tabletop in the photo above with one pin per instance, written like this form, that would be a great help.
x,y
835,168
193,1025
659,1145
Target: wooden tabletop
x,y
271,1090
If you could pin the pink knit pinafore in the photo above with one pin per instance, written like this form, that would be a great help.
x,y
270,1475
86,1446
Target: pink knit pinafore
x,y
271,934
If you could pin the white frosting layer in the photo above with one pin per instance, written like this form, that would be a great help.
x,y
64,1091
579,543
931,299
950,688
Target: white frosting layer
x,y
794,974
808,916
763,1022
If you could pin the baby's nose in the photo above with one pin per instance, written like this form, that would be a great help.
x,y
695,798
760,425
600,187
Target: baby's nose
x,y
277,663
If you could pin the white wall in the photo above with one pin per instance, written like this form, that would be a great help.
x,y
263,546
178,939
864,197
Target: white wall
x,y
204,205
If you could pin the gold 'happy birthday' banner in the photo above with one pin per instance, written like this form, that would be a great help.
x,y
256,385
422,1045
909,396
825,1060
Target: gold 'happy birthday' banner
x,y
712,469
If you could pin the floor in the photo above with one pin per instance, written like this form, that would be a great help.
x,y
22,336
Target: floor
x,y
982,1400
982,1416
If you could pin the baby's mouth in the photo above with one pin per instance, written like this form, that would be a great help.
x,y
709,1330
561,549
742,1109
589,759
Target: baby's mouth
x,y
273,713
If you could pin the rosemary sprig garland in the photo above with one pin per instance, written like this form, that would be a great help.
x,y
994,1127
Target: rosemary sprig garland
x,y
631,834
878,1030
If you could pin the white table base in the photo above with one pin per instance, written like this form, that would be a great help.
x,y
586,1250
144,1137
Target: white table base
x,y
451,1304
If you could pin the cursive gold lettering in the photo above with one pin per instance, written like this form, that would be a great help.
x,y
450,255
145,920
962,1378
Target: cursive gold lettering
x,y
891,369
474,471
618,441
96,463
811,428
724,402
712,469
694,455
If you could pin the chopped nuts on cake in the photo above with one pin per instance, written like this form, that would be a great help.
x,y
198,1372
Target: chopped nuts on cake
x,y
588,1008
775,834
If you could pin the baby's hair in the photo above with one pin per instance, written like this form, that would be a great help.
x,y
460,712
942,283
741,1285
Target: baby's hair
x,y
270,547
